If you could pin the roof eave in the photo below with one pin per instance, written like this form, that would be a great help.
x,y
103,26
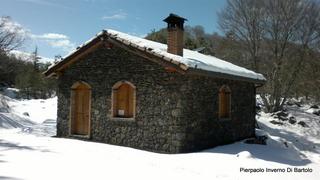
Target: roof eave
x,y
53,71
193,71
57,68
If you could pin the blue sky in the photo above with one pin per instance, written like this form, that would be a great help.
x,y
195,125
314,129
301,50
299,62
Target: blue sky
x,y
58,26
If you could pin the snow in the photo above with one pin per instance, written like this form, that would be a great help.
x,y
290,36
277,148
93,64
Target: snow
x,y
36,116
74,51
38,110
84,44
10,92
31,155
27,56
190,59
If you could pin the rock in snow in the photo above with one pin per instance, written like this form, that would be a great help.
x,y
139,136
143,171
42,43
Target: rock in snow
x,y
292,120
276,122
303,124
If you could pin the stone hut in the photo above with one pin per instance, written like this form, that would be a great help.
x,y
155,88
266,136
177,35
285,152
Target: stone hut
x,y
124,90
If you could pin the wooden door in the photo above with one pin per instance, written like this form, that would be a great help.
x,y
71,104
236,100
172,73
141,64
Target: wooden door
x,y
81,110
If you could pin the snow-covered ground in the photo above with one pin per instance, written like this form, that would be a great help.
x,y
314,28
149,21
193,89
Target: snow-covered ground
x,y
31,155
36,116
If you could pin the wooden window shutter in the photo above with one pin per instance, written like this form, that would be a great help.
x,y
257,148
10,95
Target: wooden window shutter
x,y
224,102
123,100
222,110
130,101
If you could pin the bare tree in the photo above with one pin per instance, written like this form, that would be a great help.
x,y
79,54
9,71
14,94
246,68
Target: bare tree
x,y
307,35
282,33
244,19
281,22
12,35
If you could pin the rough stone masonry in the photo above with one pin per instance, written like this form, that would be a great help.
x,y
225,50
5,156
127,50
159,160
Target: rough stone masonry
x,y
175,113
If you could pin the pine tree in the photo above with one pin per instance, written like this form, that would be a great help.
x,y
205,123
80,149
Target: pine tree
x,y
35,59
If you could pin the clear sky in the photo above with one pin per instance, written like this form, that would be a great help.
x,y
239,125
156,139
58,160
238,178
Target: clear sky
x,y
58,26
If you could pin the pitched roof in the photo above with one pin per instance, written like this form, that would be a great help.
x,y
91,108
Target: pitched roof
x,y
174,18
191,60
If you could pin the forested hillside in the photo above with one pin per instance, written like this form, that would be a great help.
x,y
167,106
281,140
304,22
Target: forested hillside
x,y
22,73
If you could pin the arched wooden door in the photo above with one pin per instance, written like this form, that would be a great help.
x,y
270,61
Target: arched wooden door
x,y
80,109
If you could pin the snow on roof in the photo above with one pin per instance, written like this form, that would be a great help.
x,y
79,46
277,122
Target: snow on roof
x,y
190,59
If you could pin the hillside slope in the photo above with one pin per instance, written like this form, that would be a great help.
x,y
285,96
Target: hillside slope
x,y
29,116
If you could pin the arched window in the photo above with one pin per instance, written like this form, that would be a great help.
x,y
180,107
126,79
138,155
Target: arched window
x,y
224,102
123,100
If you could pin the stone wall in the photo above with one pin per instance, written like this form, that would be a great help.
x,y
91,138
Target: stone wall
x,y
204,129
174,113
